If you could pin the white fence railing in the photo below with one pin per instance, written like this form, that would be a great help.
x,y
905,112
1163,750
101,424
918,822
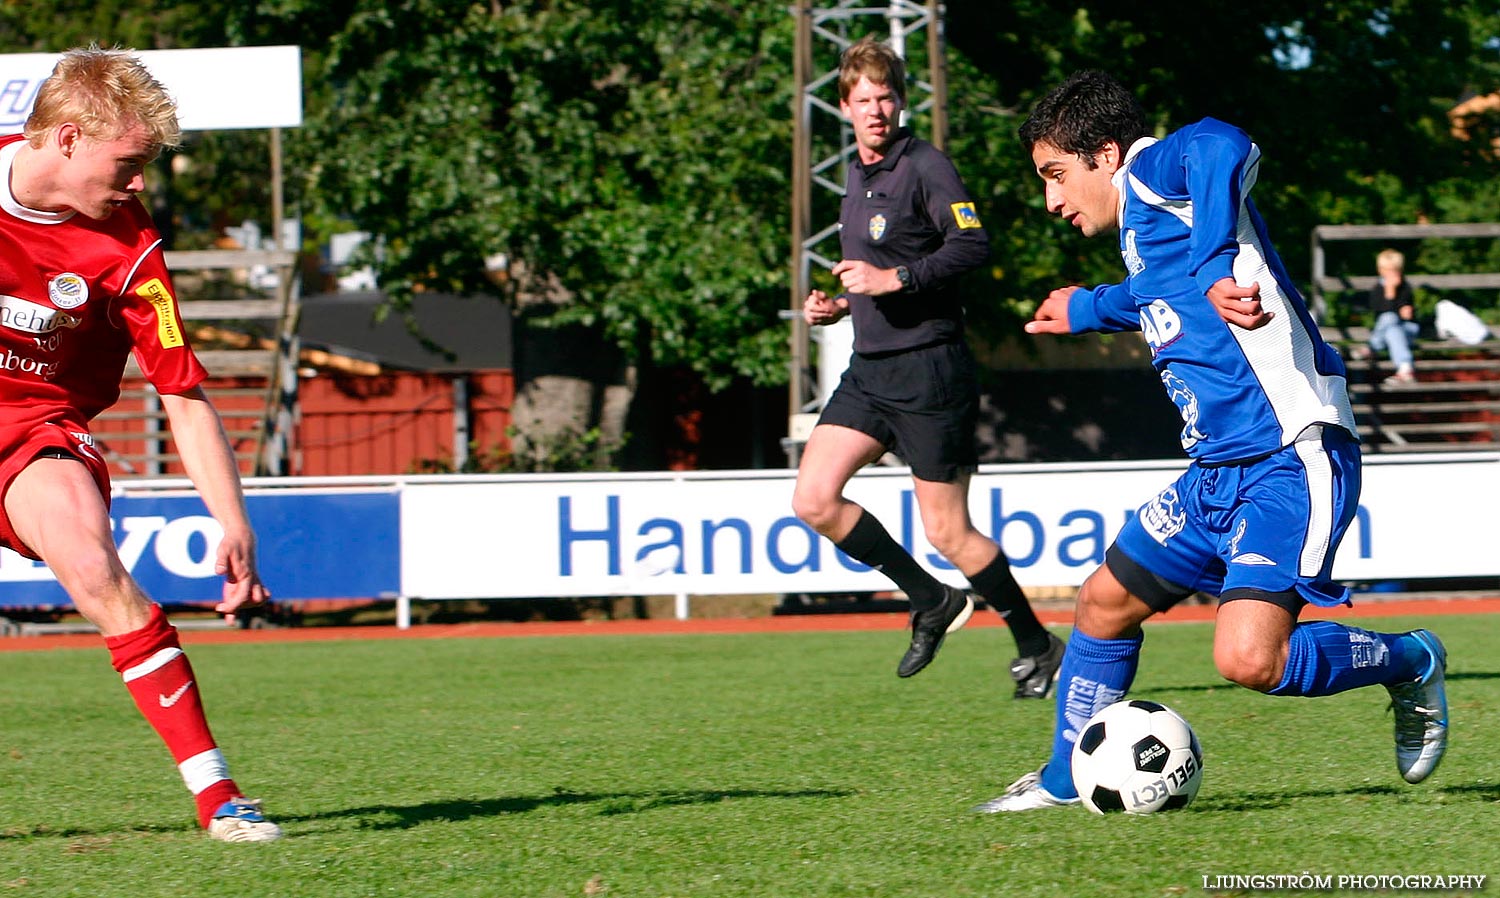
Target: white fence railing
x,y
717,533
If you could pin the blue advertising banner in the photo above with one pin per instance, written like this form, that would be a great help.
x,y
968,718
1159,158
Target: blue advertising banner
x,y
311,545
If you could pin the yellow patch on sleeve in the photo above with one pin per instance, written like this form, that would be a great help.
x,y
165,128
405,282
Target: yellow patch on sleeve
x,y
168,328
965,216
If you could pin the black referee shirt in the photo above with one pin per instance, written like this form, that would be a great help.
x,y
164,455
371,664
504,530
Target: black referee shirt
x,y
911,209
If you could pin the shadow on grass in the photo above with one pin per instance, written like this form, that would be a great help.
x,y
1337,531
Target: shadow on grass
x,y
1261,801
387,817
1472,675
1450,677
604,804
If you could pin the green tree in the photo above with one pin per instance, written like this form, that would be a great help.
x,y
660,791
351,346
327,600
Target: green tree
x,y
627,160
220,178
1349,102
631,161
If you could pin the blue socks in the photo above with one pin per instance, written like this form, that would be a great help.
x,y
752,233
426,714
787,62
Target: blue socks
x,y
1095,673
1324,658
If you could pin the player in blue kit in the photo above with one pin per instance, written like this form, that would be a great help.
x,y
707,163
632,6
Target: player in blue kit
x,y
1275,474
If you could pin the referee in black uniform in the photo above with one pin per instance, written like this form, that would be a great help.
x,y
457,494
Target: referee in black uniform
x,y
908,230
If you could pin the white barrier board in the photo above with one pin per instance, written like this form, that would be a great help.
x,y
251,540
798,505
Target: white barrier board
x,y
733,532
216,88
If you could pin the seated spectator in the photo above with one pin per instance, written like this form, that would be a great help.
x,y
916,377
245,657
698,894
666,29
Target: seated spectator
x,y
1395,316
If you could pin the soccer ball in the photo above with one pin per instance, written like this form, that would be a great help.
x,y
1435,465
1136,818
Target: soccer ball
x,y
1138,757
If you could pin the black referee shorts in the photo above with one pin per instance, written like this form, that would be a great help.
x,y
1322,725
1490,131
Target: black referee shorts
x,y
922,404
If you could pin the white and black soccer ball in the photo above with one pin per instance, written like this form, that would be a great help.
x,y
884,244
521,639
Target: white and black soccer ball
x,y
1138,757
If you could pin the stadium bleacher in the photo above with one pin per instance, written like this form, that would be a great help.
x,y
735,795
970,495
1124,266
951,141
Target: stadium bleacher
x,y
1454,404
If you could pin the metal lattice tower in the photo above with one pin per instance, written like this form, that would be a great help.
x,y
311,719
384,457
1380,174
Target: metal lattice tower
x,y
823,145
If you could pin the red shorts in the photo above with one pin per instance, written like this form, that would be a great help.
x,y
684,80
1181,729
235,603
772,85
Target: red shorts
x,y
20,444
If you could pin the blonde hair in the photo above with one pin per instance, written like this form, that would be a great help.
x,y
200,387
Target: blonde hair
x,y
1390,258
873,60
105,93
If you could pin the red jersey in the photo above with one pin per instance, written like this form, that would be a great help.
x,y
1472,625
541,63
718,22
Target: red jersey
x,y
77,296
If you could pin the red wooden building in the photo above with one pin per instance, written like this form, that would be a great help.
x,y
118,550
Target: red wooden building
x,y
371,397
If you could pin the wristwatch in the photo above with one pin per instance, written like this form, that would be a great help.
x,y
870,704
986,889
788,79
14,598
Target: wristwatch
x,y
903,274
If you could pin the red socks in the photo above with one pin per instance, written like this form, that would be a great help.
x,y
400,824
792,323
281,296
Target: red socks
x,y
161,682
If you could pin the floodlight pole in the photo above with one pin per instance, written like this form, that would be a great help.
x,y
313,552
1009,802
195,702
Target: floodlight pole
x,y
801,213
823,144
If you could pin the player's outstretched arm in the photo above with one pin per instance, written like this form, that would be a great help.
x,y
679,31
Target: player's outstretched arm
x,y
1239,306
210,464
1052,315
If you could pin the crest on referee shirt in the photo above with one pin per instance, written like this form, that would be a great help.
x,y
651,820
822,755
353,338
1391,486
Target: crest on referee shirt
x,y
965,216
68,290
877,226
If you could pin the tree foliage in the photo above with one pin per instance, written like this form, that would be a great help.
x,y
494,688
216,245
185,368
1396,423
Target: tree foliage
x,y
1349,102
632,159
628,159
225,182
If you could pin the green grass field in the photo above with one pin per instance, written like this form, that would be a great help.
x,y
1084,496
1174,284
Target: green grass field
x,y
768,765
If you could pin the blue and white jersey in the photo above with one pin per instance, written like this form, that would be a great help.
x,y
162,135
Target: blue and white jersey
x,y
1186,221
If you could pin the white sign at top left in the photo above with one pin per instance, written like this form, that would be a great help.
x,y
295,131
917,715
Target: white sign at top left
x,y
216,89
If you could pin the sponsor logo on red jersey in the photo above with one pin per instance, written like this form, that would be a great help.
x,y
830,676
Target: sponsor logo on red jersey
x,y
168,328
10,360
32,318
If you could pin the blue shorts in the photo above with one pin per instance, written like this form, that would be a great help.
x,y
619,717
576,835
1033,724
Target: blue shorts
x,y
1262,529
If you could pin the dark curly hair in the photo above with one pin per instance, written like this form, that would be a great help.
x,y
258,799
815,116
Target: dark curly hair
x,y
1084,113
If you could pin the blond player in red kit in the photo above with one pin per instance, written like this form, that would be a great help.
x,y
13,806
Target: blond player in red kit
x,y
83,284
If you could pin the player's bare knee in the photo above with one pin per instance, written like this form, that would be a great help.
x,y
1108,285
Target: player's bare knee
x,y
1248,666
947,540
814,511
1107,613
1105,623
